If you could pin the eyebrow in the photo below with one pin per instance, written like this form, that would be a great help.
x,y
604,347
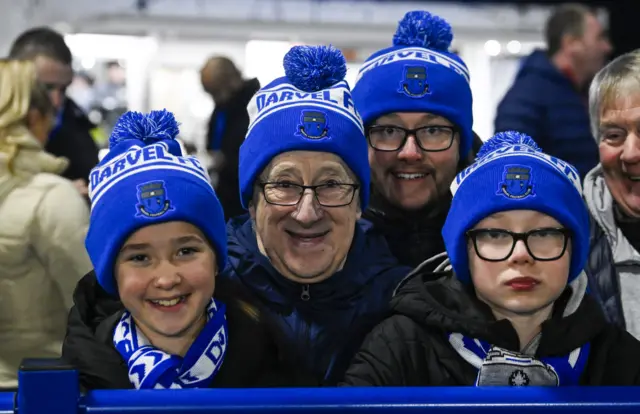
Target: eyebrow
x,y
176,241
609,124
335,169
282,169
423,118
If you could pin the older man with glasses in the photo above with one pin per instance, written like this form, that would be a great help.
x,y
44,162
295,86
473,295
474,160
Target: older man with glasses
x,y
323,276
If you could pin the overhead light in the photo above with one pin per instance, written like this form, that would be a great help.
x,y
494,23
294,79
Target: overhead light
x,y
492,47
514,47
88,63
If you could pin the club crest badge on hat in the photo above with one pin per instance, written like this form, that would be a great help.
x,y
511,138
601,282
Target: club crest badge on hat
x,y
517,182
313,125
152,198
414,81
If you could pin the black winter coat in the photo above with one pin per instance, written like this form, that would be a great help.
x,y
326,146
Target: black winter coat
x,y
73,140
252,358
411,347
604,282
235,122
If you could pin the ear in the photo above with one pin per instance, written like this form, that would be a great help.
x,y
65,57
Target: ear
x,y
569,41
33,118
252,210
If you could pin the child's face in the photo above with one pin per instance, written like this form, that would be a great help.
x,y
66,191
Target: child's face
x,y
520,284
166,277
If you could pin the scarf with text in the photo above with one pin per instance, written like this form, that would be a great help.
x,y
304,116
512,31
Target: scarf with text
x,y
152,368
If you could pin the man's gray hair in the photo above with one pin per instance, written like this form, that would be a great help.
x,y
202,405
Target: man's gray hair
x,y
620,78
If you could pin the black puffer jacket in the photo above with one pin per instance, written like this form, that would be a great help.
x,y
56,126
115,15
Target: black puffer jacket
x,y
604,283
411,347
252,358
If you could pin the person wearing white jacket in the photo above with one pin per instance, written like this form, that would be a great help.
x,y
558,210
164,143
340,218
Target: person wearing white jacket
x,y
44,223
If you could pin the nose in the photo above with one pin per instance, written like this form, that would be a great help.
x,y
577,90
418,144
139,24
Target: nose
x,y
410,151
308,210
57,97
520,254
167,276
631,149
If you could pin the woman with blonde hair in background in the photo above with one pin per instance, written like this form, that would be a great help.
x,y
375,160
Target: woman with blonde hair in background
x,y
44,223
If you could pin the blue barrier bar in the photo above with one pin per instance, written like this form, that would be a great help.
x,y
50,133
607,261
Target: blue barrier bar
x,y
7,401
361,400
52,387
47,386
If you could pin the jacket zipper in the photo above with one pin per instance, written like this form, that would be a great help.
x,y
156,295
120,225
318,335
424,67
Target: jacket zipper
x,y
305,295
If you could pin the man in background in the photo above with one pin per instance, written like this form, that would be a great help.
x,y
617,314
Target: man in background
x,y
71,136
228,126
548,100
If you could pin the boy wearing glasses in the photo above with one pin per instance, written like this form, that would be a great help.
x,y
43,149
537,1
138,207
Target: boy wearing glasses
x,y
516,313
304,177
416,105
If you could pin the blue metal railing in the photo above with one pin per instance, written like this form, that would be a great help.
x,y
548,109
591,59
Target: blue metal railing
x,y
51,388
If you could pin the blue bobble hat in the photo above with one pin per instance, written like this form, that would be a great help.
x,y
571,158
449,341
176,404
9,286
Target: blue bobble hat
x,y
309,109
418,74
512,173
145,180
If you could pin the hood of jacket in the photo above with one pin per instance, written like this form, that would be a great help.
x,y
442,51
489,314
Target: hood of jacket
x,y
448,306
539,64
88,343
22,157
600,203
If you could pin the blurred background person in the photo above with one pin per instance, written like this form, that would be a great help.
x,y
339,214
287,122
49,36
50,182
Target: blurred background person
x,y
81,91
111,94
548,99
228,126
44,223
71,135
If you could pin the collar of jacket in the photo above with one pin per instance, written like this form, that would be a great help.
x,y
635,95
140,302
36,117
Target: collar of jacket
x,y
447,305
338,291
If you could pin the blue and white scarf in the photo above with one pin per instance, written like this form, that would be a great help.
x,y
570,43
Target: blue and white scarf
x,y
502,367
150,367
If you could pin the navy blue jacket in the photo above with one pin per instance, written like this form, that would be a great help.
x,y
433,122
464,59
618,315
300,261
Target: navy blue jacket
x,y
544,104
321,325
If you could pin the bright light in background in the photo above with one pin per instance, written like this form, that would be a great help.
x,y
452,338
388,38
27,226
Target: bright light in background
x,y
264,59
514,47
84,45
492,47
352,74
88,63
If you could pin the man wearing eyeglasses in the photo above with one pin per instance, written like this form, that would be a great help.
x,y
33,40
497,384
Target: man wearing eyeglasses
x,y
323,275
71,137
416,104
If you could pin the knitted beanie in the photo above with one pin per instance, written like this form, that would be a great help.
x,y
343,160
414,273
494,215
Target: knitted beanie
x,y
512,173
145,180
418,74
309,109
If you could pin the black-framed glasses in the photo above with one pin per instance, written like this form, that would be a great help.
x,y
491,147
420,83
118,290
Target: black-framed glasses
x,y
327,195
431,138
496,245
